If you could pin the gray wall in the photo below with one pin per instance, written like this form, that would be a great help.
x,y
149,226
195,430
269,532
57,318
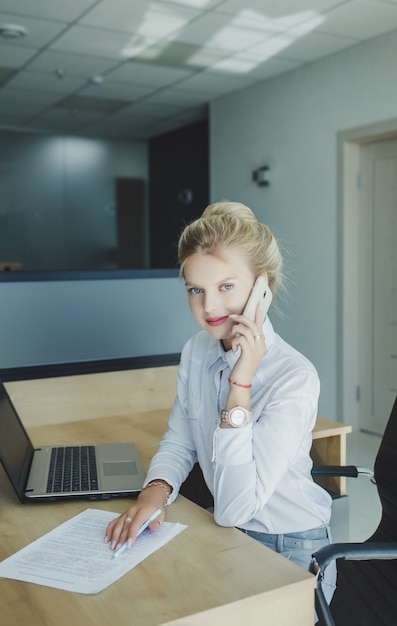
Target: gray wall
x,y
55,322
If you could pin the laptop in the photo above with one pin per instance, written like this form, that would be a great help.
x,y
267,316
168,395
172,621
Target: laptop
x,y
95,471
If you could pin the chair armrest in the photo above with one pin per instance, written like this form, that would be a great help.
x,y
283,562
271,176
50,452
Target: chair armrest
x,y
368,550
335,470
351,471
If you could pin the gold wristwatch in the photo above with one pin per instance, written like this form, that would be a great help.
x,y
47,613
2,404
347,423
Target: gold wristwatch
x,y
237,416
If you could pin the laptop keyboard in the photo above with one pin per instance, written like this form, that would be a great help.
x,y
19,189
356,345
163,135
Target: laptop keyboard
x,y
72,468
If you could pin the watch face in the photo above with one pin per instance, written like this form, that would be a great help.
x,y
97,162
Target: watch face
x,y
237,417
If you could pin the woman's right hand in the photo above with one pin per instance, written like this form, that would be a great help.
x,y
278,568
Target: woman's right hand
x,y
125,527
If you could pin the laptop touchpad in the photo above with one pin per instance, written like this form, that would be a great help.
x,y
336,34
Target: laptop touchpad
x,y
122,468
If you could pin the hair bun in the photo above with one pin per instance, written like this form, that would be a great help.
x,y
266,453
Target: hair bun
x,y
235,209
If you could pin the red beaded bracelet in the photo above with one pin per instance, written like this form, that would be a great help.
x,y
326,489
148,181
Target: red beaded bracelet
x,y
234,382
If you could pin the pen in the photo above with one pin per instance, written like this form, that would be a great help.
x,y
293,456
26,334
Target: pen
x,y
142,528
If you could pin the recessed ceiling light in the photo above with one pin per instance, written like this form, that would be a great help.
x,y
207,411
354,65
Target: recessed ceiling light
x,y
12,31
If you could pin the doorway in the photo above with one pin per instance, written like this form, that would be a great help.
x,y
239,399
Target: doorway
x,y
367,372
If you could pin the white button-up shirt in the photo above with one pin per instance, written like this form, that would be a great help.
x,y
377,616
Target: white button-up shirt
x,y
260,474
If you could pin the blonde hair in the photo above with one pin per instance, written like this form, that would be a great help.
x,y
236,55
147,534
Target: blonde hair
x,y
231,224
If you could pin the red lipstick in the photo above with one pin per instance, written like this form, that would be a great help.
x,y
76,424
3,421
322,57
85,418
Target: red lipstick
x,y
217,321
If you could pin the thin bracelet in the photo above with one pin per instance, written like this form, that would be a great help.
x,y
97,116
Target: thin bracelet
x,y
157,483
234,382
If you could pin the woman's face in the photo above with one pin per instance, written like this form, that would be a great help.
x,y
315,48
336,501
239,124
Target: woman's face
x,y
216,287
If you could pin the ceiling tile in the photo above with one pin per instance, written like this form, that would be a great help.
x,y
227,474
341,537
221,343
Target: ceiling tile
x,y
6,74
213,84
70,120
23,111
177,97
273,67
215,31
71,62
152,19
114,89
277,9
15,56
41,81
42,99
196,4
179,54
254,68
92,41
148,111
48,9
148,74
12,121
361,19
79,103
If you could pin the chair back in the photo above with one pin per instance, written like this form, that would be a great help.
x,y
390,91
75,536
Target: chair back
x,y
365,593
385,471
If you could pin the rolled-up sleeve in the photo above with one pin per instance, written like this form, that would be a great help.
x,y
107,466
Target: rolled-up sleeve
x,y
232,447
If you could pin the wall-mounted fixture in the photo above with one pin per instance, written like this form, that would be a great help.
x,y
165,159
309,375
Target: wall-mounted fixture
x,y
261,176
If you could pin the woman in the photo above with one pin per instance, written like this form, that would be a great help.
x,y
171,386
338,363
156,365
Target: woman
x,y
258,471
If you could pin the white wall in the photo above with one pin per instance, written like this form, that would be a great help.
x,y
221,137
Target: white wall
x,y
291,123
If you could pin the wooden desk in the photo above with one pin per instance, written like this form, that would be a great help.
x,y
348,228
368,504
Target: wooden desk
x,y
329,448
206,575
138,392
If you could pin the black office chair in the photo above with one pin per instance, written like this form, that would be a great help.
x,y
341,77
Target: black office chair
x,y
366,592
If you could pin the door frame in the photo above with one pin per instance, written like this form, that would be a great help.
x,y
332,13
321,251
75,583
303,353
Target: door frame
x,y
349,143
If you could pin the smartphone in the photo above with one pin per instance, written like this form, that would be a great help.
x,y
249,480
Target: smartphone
x,y
260,293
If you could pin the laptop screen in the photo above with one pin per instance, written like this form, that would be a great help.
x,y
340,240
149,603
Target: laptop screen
x,y
16,449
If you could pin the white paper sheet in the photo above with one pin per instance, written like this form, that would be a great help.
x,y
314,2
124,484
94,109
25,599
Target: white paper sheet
x,y
74,556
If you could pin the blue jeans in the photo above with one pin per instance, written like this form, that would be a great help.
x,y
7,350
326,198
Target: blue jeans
x,y
299,547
